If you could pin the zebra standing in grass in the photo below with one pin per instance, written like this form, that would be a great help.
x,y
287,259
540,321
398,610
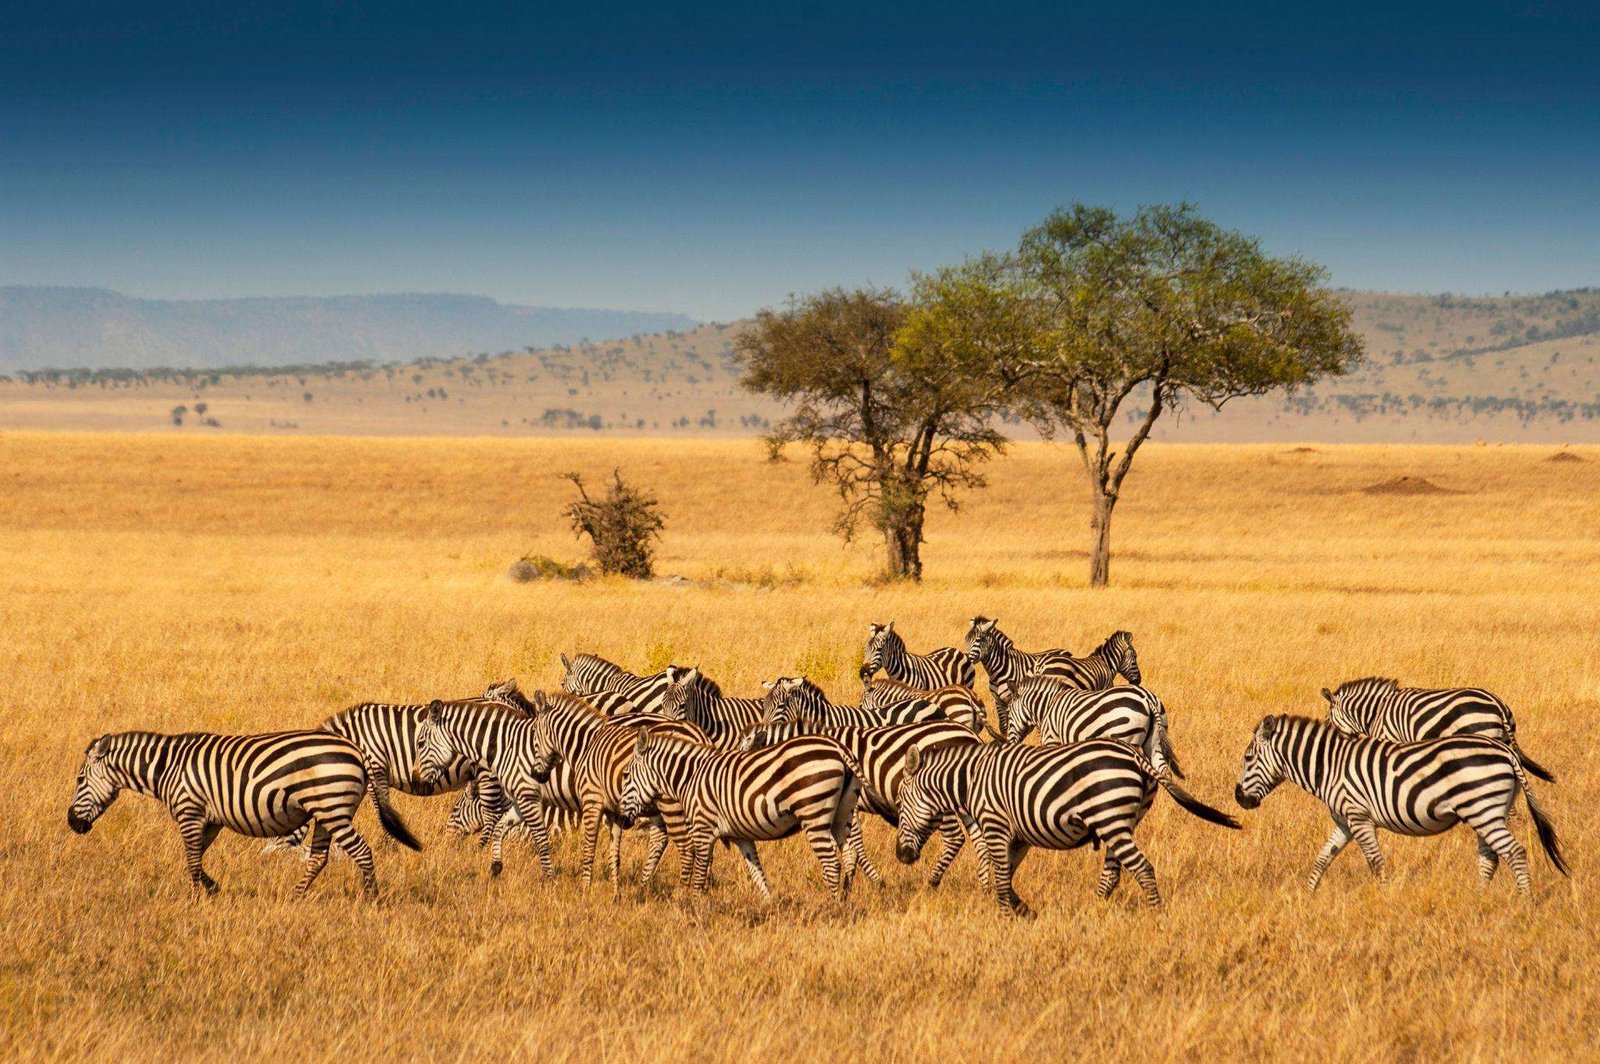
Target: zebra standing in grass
x,y
1422,788
1381,709
797,698
1002,662
1065,714
937,668
589,674
1056,797
499,740
263,786
605,702
698,699
960,704
880,752
806,784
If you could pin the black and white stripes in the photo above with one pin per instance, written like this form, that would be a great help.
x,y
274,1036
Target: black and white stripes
x,y
938,668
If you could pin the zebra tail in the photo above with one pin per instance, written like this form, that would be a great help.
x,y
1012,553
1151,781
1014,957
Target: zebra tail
x,y
1163,742
388,816
1181,796
1530,764
1542,824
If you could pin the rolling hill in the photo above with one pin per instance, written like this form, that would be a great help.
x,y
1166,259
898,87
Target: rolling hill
x,y
1439,369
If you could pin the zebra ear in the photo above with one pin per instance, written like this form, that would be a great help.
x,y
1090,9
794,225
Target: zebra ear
x,y
566,663
642,743
889,627
913,760
1268,726
767,685
431,714
1328,695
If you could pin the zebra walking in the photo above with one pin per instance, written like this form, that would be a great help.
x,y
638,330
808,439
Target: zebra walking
x,y
880,753
1055,797
797,698
1422,788
937,668
1002,662
263,786
958,703
1380,708
589,674
698,699
1065,714
803,785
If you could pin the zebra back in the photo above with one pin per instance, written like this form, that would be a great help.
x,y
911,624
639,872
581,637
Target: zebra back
x,y
590,674
692,696
885,649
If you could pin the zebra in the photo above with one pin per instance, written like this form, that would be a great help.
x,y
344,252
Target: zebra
x,y
1380,708
694,697
937,668
1422,788
1057,797
500,740
1002,662
807,784
262,786
1066,714
607,703
880,753
960,704
473,814
797,698
588,674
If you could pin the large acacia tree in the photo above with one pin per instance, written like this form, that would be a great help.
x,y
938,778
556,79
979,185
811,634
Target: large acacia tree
x,y
1100,323
889,422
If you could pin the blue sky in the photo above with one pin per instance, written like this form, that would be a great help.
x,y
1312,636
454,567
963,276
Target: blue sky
x,y
712,158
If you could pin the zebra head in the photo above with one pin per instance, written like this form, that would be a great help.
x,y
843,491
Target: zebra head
x,y
872,657
642,780
546,754
1264,766
779,705
96,788
981,638
920,810
466,816
1022,702
681,685
435,751
1118,652
1352,706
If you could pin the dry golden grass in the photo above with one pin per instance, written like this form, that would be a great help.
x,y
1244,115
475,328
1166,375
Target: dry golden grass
x,y
250,584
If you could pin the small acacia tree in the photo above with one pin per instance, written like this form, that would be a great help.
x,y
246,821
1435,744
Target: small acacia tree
x,y
620,526
888,420
1099,321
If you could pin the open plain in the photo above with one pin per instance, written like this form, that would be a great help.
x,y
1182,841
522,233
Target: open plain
x,y
245,583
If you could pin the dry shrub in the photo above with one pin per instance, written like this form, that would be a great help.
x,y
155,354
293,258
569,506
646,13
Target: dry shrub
x,y
620,526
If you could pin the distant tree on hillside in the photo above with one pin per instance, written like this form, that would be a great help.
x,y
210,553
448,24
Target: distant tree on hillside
x,y
889,425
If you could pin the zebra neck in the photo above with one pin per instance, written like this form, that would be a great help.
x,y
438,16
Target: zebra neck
x,y
144,765
1317,762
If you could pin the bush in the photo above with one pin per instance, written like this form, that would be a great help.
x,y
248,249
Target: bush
x,y
620,526
531,567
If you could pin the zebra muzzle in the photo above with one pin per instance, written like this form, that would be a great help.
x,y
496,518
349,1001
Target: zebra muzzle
x,y
78,824
1245,801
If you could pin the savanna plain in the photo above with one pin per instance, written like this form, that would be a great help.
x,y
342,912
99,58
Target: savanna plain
x,y
248,584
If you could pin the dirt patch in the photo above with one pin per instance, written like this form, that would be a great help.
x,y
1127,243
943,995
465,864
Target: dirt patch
x,y
1302,450
1564,456
1407,486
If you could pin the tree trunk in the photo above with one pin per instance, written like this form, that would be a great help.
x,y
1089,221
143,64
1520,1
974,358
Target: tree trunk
x,y
1100,530
903,542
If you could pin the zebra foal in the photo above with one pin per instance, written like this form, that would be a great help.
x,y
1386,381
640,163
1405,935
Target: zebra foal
x,y
1422,788
262,786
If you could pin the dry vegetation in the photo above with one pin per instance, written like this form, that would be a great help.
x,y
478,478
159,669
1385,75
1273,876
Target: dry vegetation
x,y
247,583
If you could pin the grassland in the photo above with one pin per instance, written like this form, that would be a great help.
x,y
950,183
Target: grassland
x,y
248,583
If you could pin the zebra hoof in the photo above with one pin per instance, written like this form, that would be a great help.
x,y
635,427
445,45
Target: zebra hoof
x,y
495,868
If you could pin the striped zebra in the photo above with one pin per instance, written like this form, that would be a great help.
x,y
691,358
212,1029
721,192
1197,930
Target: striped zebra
x,y
1002,662
589,674
1422,788
937,668
1381,709
473,815
880,752
960,704
804,785
698,699
1066,714
499,740
263,786
1056,797
607,703
797,698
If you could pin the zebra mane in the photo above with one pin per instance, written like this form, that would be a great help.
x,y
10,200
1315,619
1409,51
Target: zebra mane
x,y
556,700
611,668
709,688
1104,649
1384,682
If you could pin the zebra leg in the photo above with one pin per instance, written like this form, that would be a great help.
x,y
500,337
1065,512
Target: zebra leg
x,y
950,831
356,848
1330,849
1367,838
198,836
1129,855
1004,855
533,812
1110,876
316,858
758,875
1498,838
826,847
700,841
658,846
1488,863
591,838
616,859
856,852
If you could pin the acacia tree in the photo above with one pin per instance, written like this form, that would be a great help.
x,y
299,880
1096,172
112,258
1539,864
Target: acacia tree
x,y
1099,321
889,421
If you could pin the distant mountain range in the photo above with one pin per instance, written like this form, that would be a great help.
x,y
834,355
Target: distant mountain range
x,y
92,327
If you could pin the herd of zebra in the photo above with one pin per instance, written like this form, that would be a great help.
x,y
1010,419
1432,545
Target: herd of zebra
x,y
671,755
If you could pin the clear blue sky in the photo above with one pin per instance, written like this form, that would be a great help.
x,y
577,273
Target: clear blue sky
x,y
711,158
